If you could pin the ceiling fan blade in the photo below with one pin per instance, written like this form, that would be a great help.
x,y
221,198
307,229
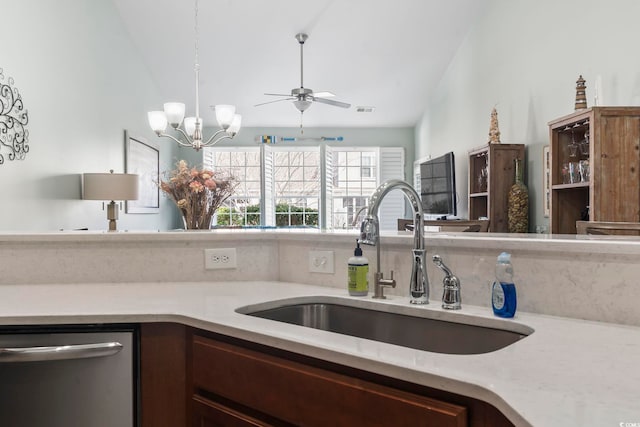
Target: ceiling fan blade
x,y
278,94
332,102
324,94
277,100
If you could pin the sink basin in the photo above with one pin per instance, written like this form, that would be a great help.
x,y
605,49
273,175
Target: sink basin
x,y
414,331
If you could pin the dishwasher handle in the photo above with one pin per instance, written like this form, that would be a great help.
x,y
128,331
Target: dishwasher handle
x,y
60,352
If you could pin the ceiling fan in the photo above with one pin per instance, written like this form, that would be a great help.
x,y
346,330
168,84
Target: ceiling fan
x,y
303,97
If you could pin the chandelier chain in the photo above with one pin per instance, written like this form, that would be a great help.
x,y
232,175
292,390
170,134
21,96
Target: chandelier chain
x,y
196,66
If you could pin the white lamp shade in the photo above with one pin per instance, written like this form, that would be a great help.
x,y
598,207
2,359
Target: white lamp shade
x,y
235,124
302,105
224,115
109,186
190,125
157,120
174,112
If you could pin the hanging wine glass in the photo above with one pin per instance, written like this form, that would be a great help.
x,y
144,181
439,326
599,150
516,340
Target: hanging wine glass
x,y
573,147
483,176
584,145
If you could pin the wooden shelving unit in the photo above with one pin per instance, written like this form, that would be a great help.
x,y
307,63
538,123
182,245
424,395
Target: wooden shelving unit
x,y
611,189
488,195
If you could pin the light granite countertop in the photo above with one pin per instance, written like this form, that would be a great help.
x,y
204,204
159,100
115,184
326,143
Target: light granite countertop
x,y
567,373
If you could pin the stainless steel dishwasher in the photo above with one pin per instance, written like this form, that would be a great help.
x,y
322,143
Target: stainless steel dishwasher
x,y
68,376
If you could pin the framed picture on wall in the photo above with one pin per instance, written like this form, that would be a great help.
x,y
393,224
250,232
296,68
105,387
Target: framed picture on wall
x,y
143,158
546,181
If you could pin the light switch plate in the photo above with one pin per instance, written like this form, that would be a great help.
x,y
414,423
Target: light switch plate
x,y
220,258
321,262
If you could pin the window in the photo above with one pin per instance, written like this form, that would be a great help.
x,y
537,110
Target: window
x,y
296,180
354,178
307,186
243,207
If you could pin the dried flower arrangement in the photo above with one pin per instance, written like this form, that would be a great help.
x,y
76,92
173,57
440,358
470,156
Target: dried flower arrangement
x,y
198,193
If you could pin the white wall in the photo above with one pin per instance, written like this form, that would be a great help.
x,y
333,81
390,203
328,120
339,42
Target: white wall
x,y
83,84
524,58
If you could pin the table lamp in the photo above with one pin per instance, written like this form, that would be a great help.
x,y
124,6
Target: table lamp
x,y
110,186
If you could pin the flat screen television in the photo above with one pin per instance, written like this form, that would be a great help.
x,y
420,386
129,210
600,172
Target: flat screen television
x,y
438,186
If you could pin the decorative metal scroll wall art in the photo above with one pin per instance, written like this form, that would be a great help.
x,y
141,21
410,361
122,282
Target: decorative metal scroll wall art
x,y
14,137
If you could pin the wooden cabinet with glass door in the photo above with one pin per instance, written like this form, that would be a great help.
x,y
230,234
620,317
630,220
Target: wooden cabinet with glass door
x,y
595,162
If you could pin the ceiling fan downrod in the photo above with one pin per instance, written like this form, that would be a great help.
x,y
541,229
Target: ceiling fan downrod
x,y
301,37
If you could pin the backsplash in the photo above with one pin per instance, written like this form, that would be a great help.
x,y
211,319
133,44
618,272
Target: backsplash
x,y
130,257
587,279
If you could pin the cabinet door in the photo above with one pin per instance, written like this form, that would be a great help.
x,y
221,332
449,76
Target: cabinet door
x,y
163,374
307,396
616,176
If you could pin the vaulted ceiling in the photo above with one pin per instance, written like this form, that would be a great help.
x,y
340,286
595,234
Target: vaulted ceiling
x,y
385,54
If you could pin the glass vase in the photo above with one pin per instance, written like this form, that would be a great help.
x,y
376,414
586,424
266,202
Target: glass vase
x,y
197,220
518,202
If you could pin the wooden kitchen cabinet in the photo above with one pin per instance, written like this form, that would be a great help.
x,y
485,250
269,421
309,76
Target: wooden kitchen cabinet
x,y
298,394
194,378
491,175
238,384
595,161
163,374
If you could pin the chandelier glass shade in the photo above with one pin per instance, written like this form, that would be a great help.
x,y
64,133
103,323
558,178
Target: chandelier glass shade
x,y
192,127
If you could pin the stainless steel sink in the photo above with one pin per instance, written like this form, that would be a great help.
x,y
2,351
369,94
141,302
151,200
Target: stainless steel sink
x,y
422,333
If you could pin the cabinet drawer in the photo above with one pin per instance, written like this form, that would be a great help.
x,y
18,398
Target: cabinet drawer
x,y
209,414
309,396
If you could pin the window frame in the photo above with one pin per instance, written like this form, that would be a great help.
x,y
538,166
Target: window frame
x,y
274,150
354,209
326,198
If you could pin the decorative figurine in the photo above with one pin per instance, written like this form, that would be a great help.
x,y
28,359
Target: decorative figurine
x,y
581,95
494,132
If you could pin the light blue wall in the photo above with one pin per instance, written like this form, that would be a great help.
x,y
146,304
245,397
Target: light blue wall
x,y
353,137
524,57
83,84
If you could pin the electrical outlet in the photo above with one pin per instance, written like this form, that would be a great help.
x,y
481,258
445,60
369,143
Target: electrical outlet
x,y
321,262
220,258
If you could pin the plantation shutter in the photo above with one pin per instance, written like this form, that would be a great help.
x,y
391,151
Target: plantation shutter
x,y
326,178
208,162
268,202
392,206
207,158
416,176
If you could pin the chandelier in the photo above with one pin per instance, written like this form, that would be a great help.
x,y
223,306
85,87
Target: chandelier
x,y
191,129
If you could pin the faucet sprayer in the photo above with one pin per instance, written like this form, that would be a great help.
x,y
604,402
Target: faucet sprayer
x,y
370,235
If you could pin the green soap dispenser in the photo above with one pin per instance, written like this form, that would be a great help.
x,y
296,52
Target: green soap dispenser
x,y
358,268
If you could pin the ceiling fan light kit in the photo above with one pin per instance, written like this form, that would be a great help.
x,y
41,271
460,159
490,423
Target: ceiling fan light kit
x,y
174,115
302,105
303,97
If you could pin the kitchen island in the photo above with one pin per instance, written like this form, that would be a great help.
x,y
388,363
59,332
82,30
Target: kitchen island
x,y
568,372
